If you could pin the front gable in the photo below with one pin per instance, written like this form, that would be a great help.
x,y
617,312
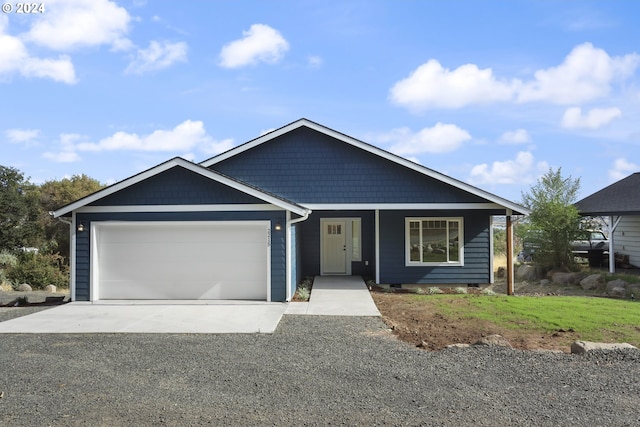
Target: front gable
x,y
177,186
316,166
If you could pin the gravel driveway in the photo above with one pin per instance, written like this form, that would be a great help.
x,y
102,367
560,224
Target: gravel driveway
x,y
311,371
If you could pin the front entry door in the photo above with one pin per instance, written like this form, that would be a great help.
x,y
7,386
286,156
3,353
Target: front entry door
x,y
334,247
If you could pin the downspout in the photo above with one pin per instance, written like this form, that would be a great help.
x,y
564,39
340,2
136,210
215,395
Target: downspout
x,y
290,222
72,254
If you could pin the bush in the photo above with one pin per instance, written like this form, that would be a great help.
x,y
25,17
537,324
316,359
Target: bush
x,y
39,270
7,259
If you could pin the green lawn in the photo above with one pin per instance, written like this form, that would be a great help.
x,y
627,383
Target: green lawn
x,y
594,319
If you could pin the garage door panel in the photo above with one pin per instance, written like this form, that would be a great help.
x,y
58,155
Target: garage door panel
x,y
182,261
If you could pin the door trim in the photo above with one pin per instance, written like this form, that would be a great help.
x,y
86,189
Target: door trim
x,y
348,226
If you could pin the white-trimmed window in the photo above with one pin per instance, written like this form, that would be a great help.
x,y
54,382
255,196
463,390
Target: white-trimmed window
x,y
434,241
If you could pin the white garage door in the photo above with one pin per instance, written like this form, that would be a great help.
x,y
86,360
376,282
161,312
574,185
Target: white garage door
x,y
181,260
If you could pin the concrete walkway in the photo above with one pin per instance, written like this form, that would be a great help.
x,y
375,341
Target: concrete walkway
x,y
337,296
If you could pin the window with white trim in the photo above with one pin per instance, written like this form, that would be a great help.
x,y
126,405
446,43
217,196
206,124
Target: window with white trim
x,y
434,241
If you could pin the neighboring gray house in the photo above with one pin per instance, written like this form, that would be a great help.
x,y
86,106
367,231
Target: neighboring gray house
x,y
619,205
251,222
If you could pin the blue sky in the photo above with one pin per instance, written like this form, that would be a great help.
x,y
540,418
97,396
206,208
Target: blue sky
x,y
493,93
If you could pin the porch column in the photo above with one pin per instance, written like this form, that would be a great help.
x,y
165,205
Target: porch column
x,y
509,253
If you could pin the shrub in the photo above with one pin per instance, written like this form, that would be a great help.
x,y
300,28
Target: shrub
x,y
461,290
7,259
434,291
487,291
39,270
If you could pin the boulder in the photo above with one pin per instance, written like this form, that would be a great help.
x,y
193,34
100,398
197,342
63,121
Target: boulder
x,y
566,278
617,292
581,347
545,282
493,340
24,288
618,283
50,288
591,282
530,273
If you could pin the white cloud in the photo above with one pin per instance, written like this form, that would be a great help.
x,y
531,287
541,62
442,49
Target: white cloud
x,y
440,138
586,74
184,137
621,169
14,58
595,118
70,24
158,56
260,43
314,61
25,136
515,137
432,86
520,170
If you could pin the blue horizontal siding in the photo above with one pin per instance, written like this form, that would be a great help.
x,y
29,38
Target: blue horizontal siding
x,y
307,166
476,267
278,241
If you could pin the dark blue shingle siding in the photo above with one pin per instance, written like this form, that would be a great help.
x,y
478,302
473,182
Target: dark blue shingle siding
x,y
176,186
307,166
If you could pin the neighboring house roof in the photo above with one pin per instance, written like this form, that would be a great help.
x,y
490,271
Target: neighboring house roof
x,y
179,162
516,208
620,198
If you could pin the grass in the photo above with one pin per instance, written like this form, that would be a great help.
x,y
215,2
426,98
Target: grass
x,y
593,319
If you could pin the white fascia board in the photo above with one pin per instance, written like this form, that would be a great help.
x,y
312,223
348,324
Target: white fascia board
x,y
402,206
178,208
503,203
187,165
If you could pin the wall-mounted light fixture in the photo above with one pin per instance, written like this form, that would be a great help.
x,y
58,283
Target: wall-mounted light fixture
x,y
278,227
80,227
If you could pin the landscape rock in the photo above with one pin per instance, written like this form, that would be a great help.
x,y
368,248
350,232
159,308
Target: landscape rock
x,y
617,292
493,340
566,278
458,345
24,288
618,283
591,282
50,288
581,347
545,282
529,273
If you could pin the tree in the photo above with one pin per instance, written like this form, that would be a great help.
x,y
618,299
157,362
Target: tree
x,y
56,194
554,219
18,210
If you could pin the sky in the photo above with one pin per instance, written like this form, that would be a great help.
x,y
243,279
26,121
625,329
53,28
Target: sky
x,y
492,93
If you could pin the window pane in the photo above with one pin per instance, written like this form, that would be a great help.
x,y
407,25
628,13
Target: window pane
x,y
454,241
434,241
414,241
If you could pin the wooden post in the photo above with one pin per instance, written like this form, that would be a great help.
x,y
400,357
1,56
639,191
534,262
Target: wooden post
x,y
509,254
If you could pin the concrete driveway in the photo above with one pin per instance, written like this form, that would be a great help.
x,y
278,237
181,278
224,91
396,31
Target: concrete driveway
x,y
331,296
187,317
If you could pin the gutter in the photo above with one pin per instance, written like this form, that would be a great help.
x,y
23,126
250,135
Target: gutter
x,y
288,247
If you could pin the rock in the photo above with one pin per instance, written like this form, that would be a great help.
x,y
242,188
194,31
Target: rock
x,y
24,288
581,347
545,282
50,288
618,283
617,292
566,278
529,273
493,340
458,345
591,282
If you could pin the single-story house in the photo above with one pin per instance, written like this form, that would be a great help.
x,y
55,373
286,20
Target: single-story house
x,y
619,205
251,222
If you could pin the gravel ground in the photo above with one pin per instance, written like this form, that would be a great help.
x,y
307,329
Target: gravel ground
x,y
311,371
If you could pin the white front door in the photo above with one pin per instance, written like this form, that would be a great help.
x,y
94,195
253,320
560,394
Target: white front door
x,y
334,247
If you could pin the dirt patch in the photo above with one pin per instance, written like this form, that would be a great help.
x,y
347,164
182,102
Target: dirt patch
x,y
421,324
